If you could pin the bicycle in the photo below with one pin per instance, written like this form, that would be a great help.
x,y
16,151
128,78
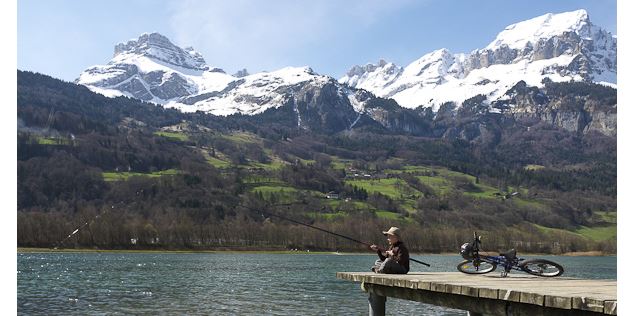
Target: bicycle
x,y
475,263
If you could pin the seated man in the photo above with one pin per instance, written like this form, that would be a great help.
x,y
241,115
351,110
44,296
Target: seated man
x,y
395,260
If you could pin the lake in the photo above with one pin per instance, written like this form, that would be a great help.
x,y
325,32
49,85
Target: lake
x,y
224,283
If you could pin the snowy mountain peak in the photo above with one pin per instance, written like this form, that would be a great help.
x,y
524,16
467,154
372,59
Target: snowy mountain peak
x,y
560,47
153,69
516,36
159,47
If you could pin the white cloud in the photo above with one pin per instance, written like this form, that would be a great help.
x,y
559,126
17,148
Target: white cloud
x,y
267,35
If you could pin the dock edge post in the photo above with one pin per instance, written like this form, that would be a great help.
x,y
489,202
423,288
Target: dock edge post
x,y
376,304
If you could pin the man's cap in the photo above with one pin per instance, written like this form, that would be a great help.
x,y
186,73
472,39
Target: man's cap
x,y
392,231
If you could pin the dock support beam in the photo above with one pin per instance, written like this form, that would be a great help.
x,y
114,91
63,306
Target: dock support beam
x,y
376,304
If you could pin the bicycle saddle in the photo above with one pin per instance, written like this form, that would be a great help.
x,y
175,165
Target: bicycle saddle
x,y
509,254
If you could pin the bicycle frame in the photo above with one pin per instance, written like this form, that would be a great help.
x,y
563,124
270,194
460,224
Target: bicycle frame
x,y
502,261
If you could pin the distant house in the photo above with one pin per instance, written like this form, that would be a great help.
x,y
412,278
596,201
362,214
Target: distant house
x,y
333,195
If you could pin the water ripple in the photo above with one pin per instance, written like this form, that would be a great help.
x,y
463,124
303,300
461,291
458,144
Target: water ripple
x,y
218,284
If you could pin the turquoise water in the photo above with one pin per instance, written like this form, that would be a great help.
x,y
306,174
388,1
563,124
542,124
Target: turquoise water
x,y
223,284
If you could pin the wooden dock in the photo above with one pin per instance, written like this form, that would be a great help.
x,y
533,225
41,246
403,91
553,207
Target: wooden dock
x,y
491,294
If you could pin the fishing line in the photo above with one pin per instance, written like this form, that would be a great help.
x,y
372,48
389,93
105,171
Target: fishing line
x,y
80,227
93,219
320,229
253,209
88,223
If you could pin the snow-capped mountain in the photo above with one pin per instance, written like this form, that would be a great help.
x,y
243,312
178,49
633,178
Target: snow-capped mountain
x,y
251,94
558,47
153,69
561,47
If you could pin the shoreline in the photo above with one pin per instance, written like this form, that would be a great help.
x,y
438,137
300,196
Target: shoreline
x,y
304,252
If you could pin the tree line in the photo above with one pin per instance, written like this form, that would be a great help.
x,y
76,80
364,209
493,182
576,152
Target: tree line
x,y
121,228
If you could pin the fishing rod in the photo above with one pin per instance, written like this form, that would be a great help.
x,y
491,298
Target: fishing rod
x,y
324,230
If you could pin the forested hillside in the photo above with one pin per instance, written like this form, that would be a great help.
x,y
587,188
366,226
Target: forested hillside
x,y
134,175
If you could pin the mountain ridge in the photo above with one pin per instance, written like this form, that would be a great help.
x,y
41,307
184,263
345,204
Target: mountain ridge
x,y
153,69
560,47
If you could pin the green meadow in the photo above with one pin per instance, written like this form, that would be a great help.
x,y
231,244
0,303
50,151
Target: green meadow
x,y
122,176
173,135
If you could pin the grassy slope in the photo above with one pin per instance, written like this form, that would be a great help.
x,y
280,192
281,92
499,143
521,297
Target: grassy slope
x,y
119,176
441,180
173,135
53,141
593,233
222,161
394,188
598,233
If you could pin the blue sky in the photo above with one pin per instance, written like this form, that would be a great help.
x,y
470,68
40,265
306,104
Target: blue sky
x,y
63,37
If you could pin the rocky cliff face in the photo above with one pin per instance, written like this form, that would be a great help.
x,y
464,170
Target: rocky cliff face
x,y
580,108
322,107
579,112
578,115
397,119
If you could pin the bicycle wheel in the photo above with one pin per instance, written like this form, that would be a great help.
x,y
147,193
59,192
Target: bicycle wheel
x,y
542,267
481,267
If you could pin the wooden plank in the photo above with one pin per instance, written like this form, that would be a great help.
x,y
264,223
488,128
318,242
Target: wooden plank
x,y
453,288
469,291
588,304
558,301
509,295
610,307
411,284
423,285
437,287
532,298
488,293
